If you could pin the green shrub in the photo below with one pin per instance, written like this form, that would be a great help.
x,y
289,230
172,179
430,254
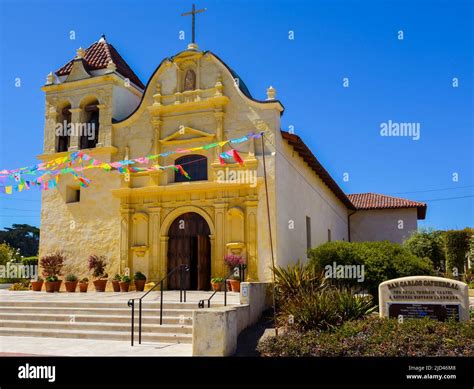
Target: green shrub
x,y
97,264
71,277
126,279
292,278
323,308
382,261
30,261
457,246
52,264
22,285
376,337
139,276
429,244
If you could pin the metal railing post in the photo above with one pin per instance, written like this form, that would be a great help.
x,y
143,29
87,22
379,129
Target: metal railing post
x,y
184,270
225,292
140,321
181,284
161,303
131,303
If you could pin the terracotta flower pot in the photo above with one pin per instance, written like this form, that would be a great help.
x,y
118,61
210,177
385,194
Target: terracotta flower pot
x,y
216,286
70,286
235,285
116,285
58,285
83,287
124,286
229,287
36,286
50,286
100,285
140,285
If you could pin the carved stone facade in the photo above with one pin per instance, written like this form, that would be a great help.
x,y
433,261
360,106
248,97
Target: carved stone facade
x,y
191,101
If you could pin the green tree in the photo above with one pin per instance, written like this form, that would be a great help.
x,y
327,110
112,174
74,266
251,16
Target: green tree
x,y
457,247
22,237
429,244
382,261
6,254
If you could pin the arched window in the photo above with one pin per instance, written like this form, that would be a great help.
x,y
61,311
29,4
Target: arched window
x,y
195,166
62,130
89,134
189,80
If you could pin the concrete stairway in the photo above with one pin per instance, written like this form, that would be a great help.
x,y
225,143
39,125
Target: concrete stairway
x,y
96,320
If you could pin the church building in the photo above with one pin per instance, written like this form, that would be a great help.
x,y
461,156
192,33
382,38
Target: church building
x,y
154,221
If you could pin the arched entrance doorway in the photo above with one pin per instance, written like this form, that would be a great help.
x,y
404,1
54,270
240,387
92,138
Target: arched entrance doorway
x,y
189,244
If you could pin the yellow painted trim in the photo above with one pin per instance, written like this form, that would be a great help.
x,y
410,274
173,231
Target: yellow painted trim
x,y
203,136
181,187
91,152
94,80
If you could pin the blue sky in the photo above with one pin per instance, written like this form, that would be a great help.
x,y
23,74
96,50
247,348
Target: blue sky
x,y
407,80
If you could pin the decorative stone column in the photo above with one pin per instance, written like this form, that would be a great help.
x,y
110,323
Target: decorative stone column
x,y
163,259
218,266
50,138
125,223
156,123
155,242
219,116
104,128
155,176
212,240
75,119
251,239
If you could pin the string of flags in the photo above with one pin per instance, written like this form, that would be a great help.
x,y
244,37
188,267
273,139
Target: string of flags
x,y
46,175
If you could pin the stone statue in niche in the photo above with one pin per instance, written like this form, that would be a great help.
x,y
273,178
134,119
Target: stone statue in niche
x,y
190,80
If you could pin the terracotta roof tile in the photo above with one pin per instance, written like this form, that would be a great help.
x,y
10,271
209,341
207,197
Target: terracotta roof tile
x,y
97,56
377,201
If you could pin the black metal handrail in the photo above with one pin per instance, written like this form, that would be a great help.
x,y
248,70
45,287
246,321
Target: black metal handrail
x,y
131,303
241,276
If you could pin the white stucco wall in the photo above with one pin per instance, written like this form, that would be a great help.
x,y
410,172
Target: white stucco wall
x,y
300,193
124,102
383,224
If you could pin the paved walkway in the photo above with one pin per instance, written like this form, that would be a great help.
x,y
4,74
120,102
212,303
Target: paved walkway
x,y
169,296
18,345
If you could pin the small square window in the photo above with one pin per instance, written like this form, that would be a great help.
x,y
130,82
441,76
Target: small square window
x,y
73,195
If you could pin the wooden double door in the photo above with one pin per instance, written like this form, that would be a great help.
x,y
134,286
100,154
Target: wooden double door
x,y
189,244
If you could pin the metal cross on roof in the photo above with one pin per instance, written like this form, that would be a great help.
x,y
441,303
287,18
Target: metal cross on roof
x,y
193,13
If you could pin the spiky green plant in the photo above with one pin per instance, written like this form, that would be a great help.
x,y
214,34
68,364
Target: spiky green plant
x,y
293,278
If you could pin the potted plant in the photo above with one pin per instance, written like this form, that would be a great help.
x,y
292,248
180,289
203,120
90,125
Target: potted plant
x,y
140,280
51,266
83,284
233,261
235,284
125,283
71,283
97,264
37,285
216,283
51,284
116,283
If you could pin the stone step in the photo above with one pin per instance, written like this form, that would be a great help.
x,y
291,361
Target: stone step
x,y
103,335
94,318
97,311
88,326
90,304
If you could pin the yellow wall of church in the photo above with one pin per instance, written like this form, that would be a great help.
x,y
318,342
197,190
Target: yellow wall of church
x,y
128,220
